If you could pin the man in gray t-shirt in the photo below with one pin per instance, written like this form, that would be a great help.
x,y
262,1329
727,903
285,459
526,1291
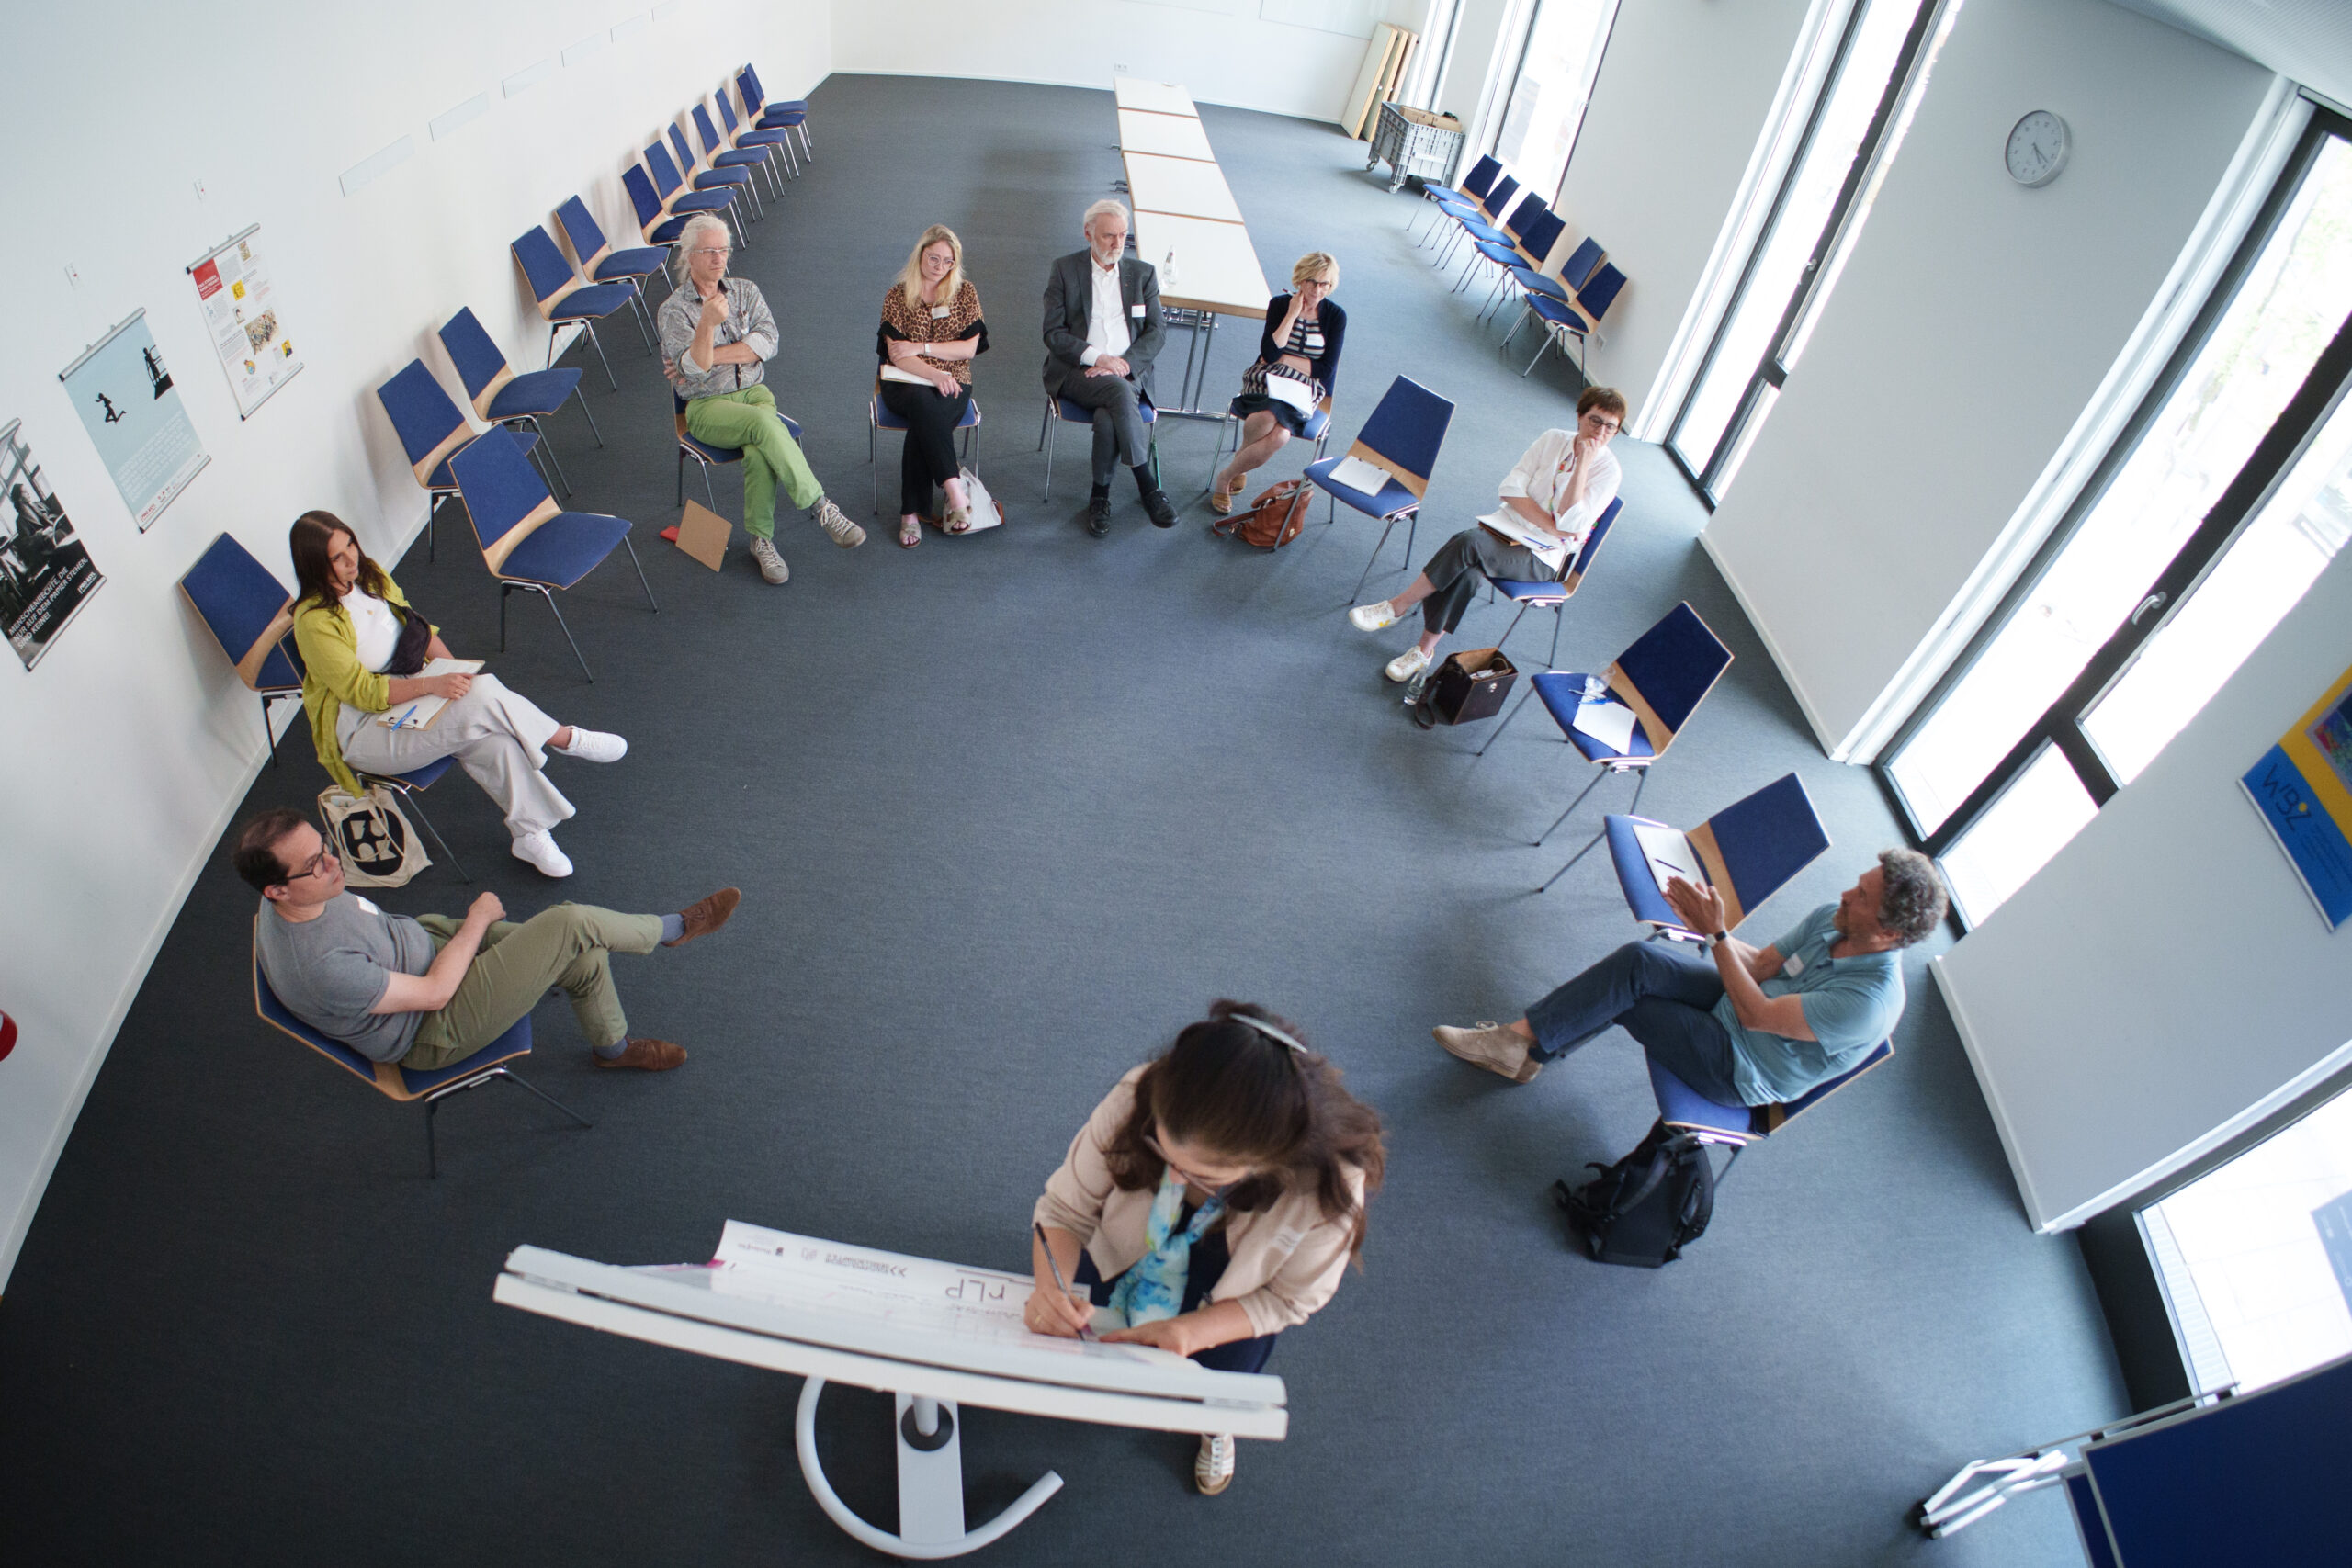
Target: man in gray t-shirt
x,y
429,992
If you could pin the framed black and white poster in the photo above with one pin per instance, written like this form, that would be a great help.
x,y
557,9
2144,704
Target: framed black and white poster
x,y
46,575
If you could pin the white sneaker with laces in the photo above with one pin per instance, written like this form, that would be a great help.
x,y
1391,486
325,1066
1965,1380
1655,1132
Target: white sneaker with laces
x,y
1408,664
837,527
538,851
1212,1468
771,564
1372,617
595,746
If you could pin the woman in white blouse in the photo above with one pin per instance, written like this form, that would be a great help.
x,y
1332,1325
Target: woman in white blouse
x,y
1214,1199
362,652
1559,489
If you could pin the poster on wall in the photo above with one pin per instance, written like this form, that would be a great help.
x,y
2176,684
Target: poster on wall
x,y
241,313
2303,788
124,394
45,573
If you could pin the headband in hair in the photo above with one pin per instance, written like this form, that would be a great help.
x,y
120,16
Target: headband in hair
x,y
1268,1030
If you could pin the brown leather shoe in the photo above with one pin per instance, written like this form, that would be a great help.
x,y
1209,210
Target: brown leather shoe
x,y
650,1055
706,915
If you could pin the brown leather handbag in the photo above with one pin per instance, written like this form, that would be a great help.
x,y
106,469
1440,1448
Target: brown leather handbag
x,y
1273,520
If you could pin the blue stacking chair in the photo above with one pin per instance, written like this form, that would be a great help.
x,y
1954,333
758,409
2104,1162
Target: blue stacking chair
x,y
721,153
564,297
661,220
1509,244
396,1082
708,456
878,418
1575,273
600,262
1474,185
744,137
1577,317
1685,1110
431,428
503,398
1060,412
1504,230
1663,677
531,544
675,191
1403,437
250,615
774,115
1555,597
1543,233
1747,851
408,787
1316,427
715,174
1478,217
1457,205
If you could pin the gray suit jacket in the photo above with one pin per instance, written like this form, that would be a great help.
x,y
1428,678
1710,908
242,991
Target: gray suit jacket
x,y
1069,291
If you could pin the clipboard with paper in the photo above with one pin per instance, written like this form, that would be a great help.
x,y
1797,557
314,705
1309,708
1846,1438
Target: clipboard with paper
x,y
1553,552
420,712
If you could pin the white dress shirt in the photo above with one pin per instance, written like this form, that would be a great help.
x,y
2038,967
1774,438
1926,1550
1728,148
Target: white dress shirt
x,y
1542,474
1106,315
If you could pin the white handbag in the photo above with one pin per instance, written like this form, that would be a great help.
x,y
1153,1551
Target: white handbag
x,y
987,511
375,842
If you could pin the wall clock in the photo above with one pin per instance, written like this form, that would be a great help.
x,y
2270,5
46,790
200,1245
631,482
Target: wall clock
x,y
2038,148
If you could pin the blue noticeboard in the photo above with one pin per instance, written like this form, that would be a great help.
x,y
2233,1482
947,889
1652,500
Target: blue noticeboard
x,y
2253,1480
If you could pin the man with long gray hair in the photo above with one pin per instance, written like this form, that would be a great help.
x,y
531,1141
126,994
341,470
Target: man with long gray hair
x,y
1103,330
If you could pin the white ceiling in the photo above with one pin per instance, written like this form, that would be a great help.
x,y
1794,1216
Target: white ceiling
x,y
2310,40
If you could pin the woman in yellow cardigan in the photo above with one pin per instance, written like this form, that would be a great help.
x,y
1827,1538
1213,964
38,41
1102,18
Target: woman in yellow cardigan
x,y
362,647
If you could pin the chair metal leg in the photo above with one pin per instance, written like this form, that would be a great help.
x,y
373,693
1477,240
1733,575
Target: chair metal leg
x,y
1539,351
1526,308
522,1083
644,324
1573,858
710,494
589,417
1590,784
559,620
873,460
631,548
1559,615
504,590
547,448
682,478
1357,596
1045,439
1525,692
432,1144
1513,626
410,797
594,343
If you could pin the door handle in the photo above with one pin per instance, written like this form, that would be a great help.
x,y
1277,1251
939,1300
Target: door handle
x,y
2153,602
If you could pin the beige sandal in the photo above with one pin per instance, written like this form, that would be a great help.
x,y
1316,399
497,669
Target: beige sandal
x,y
1221,500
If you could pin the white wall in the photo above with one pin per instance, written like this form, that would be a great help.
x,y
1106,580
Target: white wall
x,y
132,742
2166,980
1223,52
1974,322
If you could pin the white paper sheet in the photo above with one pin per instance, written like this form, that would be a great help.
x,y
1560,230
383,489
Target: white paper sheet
x,y
1290,389
1357,474
1553,553
423,711
1669,855
1609,723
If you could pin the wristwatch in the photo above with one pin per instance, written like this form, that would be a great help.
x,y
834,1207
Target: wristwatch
x,y
1716,940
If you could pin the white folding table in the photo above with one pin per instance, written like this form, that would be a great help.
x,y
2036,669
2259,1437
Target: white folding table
x,y
1173,136
1155,97
1216,274
1181,187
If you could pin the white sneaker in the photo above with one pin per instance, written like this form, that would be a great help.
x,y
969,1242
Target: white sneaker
x,y
1213,1470
595,746
1372,617
1408,664
771,565
837,527
538,850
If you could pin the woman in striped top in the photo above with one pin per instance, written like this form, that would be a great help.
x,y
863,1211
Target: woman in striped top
x,y
1300,345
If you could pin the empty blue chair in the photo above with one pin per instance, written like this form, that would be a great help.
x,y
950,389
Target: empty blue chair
x,y
878,418
777,140
430,429
1528,255
1504,229
708,456
1403,437
1474,185
503,398
530,545
394,1081
1060,412
1555,597
1470,203
713,175
675,192
661,220
767,115
1662,677
1575,273
1747,851
1483,213
1685,1110
249,614
564,297
601,263
1577,317
722,154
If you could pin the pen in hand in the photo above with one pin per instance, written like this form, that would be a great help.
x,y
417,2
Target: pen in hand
x,y
1086,1331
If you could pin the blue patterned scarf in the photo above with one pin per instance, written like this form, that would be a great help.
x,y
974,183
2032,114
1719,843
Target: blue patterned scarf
x,y
1153,1288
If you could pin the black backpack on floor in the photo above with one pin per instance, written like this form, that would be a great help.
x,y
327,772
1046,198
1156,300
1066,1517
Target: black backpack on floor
x,y
1645,1209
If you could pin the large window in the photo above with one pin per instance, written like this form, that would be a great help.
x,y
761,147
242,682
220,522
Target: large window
x,y
2228,492
1883,55
1556,67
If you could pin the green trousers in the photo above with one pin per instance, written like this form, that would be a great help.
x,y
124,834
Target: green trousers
x,y
568,945
771,457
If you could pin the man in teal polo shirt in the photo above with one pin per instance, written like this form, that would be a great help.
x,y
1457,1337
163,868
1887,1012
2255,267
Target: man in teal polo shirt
x,y
1742,1025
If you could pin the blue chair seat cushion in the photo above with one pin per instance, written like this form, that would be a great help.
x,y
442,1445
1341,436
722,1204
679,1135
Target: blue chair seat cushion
x,y
1535,282
1642,895
762,138
442,478
1072,413
740,160
714,179
776,120
1393,500
565,548
638,261
598,299
1501,256
533,391
1520,593
425,777
1483,230
1681,1104
690,202
1558,313
1562,692
516,1042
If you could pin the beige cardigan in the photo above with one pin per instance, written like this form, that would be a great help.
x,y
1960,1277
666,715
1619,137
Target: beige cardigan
x,y
1286,1261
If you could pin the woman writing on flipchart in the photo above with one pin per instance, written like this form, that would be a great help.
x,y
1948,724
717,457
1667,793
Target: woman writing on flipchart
x,y
363,650
1213,1199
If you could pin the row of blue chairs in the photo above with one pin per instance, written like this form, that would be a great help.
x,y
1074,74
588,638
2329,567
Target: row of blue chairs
x,y
1518,246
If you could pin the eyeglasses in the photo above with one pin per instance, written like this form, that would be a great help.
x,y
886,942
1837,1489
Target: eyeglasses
x,y
315,865
1214,1189
713,250
1605,425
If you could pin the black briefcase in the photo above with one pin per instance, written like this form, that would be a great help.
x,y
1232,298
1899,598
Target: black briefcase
x,y
1471,685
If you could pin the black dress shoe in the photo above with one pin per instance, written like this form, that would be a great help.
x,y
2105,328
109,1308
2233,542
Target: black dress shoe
x,y
1098,517
1163,514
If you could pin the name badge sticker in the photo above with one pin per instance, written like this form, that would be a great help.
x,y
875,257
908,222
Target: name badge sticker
x,y
1137,311
1793,964
939,312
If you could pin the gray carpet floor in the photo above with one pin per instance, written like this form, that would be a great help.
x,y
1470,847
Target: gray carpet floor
x,y
1008,811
